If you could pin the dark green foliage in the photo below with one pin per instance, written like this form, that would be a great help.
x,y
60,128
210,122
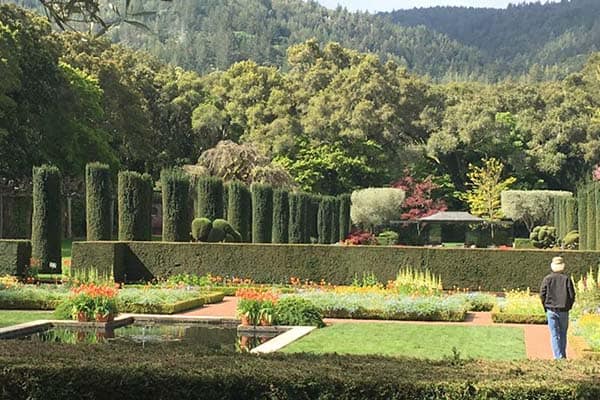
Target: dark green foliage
x,y
225,200
239,210
135,205
311,215
231,235
105,258
582,218
591,217
571,240
387,238
497,270
296,222
175,205
324,218
281,216
345,222
335,220
217,233
262,213
17,212
522,243
296,311
46,224
14,257
201,228
543,237
210,197
98,195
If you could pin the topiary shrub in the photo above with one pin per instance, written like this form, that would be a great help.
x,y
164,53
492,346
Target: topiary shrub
x,y
98,199
375,206
571,240
175,194
281,211
543,237
239,209
201,228
210,197
46,226
135,206
297,311
262,213
388,238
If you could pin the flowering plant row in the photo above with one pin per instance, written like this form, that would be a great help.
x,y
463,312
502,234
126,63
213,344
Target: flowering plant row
x,y
89,301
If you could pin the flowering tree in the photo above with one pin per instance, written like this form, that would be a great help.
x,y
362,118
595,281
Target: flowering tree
x,y
419,201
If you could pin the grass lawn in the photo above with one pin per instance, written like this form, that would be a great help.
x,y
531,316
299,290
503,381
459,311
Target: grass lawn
x,y
13,317
415,340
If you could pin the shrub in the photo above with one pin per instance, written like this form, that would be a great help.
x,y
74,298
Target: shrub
x,y
135,206
297,311
175,194
360,238
98,197
262,213
296,225
222,231
210,197
530,206
335,220
571,240
371,207
15,256
388,238
239,210
521,243
281,210
324,218
201,228
46,220
543,237
310,206
345,222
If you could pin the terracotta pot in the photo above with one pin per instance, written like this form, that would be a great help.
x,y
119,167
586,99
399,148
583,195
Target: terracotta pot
x,y
105,318
244,340
245,320
82,317
265,322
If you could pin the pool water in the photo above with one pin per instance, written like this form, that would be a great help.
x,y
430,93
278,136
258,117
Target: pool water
x,y
209,337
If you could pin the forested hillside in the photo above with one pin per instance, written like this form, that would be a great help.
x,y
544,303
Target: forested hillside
x,y
336,119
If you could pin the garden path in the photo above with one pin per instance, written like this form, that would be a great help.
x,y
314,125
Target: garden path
x,y
537,337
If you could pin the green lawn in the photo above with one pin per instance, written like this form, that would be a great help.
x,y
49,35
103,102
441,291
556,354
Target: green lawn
x,y
13,317
415,340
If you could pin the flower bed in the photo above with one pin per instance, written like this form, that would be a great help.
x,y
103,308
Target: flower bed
x,y
588,327
381,305
519,307
32,297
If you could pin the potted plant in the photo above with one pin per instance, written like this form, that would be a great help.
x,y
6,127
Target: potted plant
x,y
91,301
105,308
255,305
266,312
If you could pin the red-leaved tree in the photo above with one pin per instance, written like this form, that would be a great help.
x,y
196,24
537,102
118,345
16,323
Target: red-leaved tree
x,y
419,202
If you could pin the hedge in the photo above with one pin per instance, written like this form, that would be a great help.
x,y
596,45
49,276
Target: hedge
x,y
239,209
262,213
345,222
172,308
591,215
506,318
14,257
311,216
281,216
582,219
135,206
335,220
175,194
484,269
324,220
46,221
52,371
296,224
98,199
210,198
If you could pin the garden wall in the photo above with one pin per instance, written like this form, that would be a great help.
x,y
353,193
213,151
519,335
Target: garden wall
x,y
14,256
483,269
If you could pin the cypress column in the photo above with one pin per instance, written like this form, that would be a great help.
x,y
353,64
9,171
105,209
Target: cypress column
x,y
582,217
591,217
262,213
134,206
324,218
281,216
239,209
175,194
345,223
46,221
335,220
295,228
98,202
210,198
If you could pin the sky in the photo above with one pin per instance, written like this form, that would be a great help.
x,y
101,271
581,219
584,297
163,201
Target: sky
x,y
388,5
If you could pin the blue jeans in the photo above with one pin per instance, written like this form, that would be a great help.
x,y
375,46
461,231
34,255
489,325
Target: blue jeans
x,y
558,322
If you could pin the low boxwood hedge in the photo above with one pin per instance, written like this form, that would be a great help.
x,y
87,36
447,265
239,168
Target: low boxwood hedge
x,y
59,371
172,308
14,257
506,318
477,269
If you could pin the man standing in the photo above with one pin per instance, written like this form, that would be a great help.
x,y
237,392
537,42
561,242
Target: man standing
x,y
558,295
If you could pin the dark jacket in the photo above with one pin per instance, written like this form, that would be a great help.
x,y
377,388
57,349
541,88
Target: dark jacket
x,y
557,292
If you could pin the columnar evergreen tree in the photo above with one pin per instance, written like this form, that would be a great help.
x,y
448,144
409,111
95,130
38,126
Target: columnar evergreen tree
x,y
335,220
98,199
281,216
134,194
571,214
296,228
591,217
175,205
46,226
596,221
324,218
312,204
582,217
210,198
262,213
225,201
345,223
239,209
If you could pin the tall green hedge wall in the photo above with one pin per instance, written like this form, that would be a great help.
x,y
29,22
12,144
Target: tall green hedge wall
x,y
262,213
239,209
210,198
98,198
281,216
345,222
582,217
46,221
14,257
135,206
312,204
175,205
476,269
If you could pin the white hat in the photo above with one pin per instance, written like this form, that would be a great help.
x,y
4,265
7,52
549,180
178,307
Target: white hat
x,y
557,264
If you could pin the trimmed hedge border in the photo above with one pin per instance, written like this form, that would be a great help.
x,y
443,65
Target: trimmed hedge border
x,y
362,313
28,304
172,308
475,269
505,318
15,256
170,371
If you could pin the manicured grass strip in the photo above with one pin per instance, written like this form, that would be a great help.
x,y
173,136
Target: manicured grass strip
x,y
415,340
14,317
